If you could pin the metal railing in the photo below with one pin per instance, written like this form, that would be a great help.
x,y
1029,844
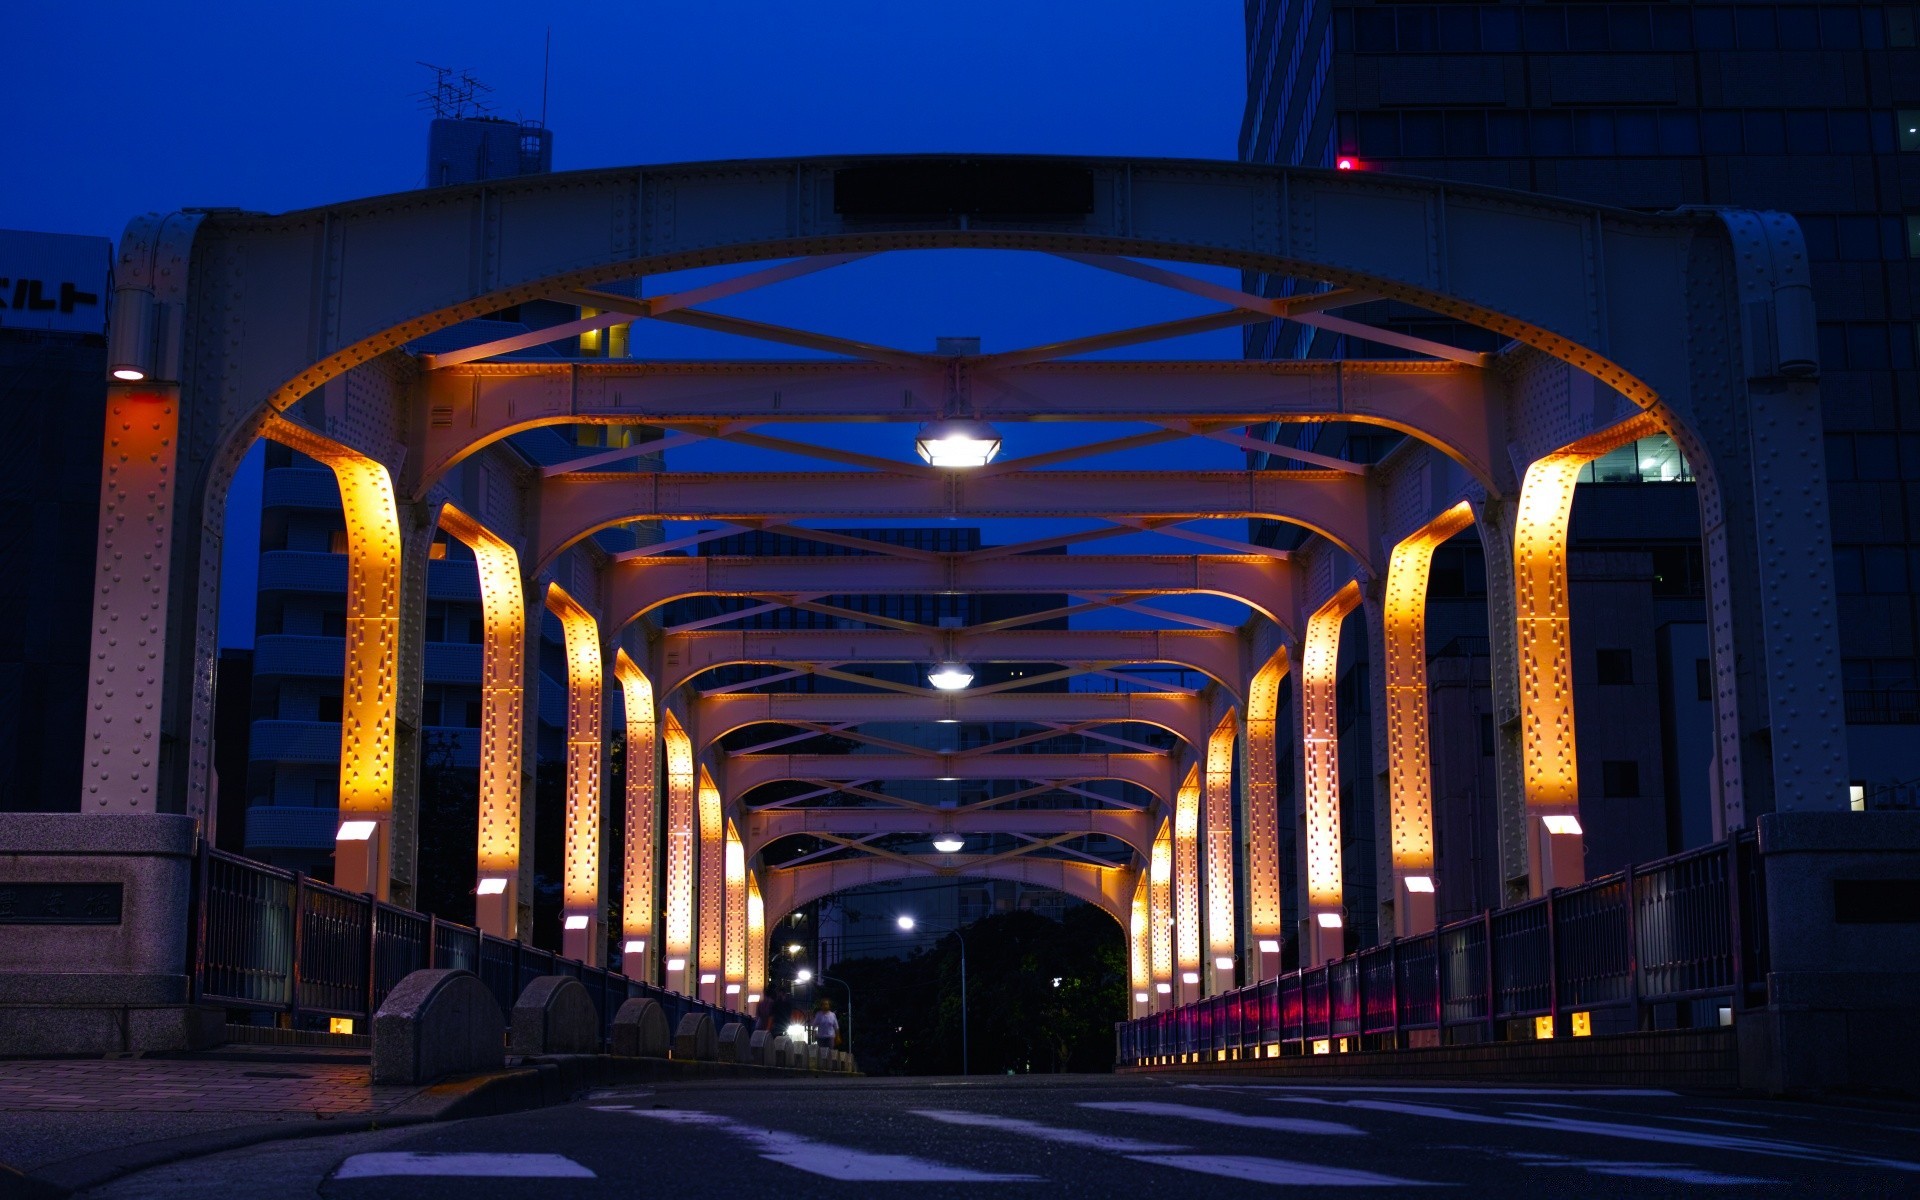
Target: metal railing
x,y
274,940
1687,928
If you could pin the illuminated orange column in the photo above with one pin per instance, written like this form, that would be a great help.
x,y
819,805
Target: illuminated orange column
x,y
679,847
735,971
125,679
1322,929
1550,765
713,888
1160,915
756,944
1409,761
636,894
1264,916
1218,802
503,621
1186,887
1140,949
581,900
369,709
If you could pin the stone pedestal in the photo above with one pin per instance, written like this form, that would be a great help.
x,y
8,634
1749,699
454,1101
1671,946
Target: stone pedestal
x,y
94,941
1843,938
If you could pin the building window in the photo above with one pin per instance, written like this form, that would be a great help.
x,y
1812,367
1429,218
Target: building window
x,y
1702,679
473,714
1615,666
333,624
1620,779
327,708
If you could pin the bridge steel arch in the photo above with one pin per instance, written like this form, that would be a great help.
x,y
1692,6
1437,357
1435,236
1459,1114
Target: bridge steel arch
x,y
1701,320
1108,888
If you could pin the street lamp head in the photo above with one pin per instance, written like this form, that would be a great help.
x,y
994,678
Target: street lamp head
x,y
950,676
802,975
949,845
794,948
957,442
904,921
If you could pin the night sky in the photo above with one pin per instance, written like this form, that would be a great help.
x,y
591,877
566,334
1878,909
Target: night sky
x,y
275,107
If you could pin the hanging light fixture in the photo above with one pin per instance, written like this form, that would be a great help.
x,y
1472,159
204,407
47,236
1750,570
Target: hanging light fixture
x,y
957,442
949,845
950,676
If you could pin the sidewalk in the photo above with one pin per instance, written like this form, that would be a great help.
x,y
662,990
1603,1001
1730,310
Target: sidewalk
x,y
72,1120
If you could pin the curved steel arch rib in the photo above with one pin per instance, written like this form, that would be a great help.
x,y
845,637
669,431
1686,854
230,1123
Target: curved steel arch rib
x,y
713,717
1457,409
683,656
637,586
763,827
1334,504
1110,888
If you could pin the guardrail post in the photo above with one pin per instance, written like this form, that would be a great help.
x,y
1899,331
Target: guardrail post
x,y
373,955
1553,962
1488,989
433,940
1633,951
299,948
1393,966
1736,933
197,953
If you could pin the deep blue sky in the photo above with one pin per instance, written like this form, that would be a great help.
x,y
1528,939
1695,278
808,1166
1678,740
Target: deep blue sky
x,y
274,107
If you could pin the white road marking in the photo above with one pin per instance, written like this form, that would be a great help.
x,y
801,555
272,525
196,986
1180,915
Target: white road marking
x,y
1670,1172
824,1159
1642,1133
1220,1116
1417,1090
1275,1170
1069,1137
1663,1117
462,1165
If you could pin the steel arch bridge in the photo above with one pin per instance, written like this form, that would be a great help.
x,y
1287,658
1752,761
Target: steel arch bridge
x,y
230,327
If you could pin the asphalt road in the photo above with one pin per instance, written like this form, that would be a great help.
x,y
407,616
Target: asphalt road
x,y
1086,1136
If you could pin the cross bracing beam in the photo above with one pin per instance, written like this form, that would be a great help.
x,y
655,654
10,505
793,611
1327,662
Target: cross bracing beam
x,y
638,586
681,656
716,716
1154,772
1132,826
1458,409
1331,503
787,888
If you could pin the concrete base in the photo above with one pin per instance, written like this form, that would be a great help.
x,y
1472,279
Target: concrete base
x,y
133,993
1843,979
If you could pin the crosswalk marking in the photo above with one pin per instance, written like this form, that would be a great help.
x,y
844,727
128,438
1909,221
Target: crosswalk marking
x,y
822,1158
1424,1090
1275,1170
1221,1116
1085,1138
461,1165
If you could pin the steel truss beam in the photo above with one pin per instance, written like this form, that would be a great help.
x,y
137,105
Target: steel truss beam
x,y
1332,503
1109,887
682,656
1458,409
640,585
1153,772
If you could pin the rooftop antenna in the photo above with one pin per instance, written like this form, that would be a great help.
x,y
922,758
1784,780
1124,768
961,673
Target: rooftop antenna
x,y
454,96
546,73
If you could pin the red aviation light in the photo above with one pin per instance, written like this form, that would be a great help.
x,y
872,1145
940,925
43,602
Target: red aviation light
x,y
1346,162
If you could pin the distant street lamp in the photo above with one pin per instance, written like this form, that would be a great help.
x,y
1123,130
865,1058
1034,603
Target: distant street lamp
x,y
803,976
907,924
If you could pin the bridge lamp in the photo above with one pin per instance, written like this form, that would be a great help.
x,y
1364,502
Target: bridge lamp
x,y
636,945
947,845
1419,883
1329,920
577,921
1269,945
950,676
794,948
1561,824
1140,997
904,921
957,442
1223,963
129,374
493,885
1163,988
803,976
1189,977
355,831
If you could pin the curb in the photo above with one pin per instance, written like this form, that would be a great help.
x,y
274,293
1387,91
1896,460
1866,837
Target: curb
x,y
540,1082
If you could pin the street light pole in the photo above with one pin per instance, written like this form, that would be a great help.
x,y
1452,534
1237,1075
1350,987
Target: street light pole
x,y
843,983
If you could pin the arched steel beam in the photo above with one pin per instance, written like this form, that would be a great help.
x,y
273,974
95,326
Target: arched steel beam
x,y
716,716
1335,504
682,656
1459,410
1111,888
738,776
764,826
639,585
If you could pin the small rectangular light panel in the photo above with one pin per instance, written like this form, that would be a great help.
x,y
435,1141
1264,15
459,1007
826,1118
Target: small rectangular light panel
x,y
637,946
492,886
355,831
1420,883
339,1024
1223,963
1562,824
1269,946
1329,920
1582,1024
1543,1028
577,921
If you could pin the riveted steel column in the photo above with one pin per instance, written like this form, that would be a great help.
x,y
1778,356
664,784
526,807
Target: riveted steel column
x,y
1322,934
581,885
1217,801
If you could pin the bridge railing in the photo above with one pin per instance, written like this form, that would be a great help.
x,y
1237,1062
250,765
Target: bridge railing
x,y
1581,960
275,940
